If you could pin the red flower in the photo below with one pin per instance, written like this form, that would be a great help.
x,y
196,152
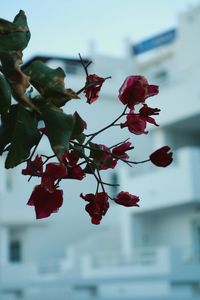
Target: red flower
x,y
34,168
126,199
74,171
135,124
70,158
94,83
97,206
55,171
120,150
107,161
48,184
145,112
45,203
136,89
161,158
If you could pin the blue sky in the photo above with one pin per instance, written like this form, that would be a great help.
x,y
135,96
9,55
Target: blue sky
x,y
66,27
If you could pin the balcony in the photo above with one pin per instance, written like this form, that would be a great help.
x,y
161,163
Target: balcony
x,y
140,263
162,269
17,274
175,264
180,89
178,184
149,273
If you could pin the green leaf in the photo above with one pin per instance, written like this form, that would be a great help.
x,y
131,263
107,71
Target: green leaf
x,y
79,127
59,128
17,80
22,133
14,35
5,95
50,83
96,152
81,138
6,129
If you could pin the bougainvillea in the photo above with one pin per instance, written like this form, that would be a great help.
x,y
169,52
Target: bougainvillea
x,y
20,134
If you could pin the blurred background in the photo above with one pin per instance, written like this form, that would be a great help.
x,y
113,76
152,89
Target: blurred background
x,y
146,253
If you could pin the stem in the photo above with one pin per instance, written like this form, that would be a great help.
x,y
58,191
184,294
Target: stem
x,y
35,148
57,183
119,143
93,172
138,162
44,162
48,157
98,178
102,186
91,84
128,162
97,187
83,64
82,163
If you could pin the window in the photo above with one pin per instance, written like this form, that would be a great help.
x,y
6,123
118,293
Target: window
x,y
15,251
197,240
72,68
15,244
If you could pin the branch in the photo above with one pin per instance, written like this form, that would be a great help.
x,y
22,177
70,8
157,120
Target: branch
x,y
85,67
92,135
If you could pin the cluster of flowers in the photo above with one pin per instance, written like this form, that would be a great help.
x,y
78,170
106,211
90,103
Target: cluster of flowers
x,y
47,198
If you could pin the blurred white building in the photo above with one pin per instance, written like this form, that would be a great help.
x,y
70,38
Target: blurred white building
x,y
151,252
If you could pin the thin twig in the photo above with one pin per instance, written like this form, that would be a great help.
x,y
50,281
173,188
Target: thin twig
x,y
128,162
90,84
49,157
83,64
119,143
92,135
43,163
97,187
102,184
35,148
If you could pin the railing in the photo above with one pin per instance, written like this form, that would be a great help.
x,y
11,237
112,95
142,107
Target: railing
x,y
139,257
147,265
50,267
141,261
12,273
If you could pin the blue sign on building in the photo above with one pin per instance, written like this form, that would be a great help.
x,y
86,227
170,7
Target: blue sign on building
x,y
155,42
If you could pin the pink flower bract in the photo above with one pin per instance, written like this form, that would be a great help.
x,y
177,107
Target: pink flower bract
x,y
55,171
34,168
97,206
162,157
92,92
120,151
145,112
135,124
126,199
107,161
136,89
45,203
